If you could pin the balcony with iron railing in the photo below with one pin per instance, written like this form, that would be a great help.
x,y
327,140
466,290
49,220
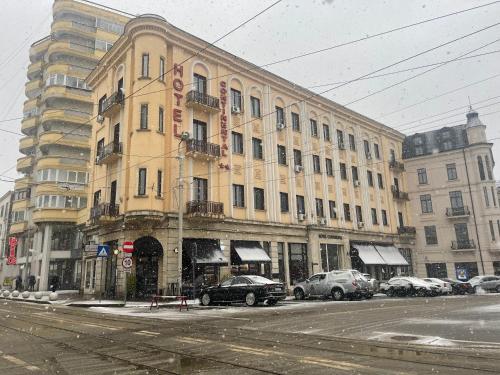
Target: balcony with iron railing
x,y
112,104
463,245
397,166
109,153
104,212
398,194
406,230
205,209
202,149
200,100
457,212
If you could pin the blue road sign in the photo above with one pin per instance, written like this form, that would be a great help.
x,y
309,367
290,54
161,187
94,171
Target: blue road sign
x,y
103,251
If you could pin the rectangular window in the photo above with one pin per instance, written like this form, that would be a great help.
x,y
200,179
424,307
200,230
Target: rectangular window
x,y
258,198
314,128
200,189
366,146
281,155
422,176
329,167
144,116
370,178
451,170
237,139
238,196
355,176
492,230
280,116
380,181
284,202
426,203
376,150
456,200
359,214
142,182
498,226
430,235
340,139
200,83
162,69
257,148
301,208
297,157
145,65
486,196
295,122
384,218
343,171
255,104
462,233
281,261
236,102
159,183
160,120
333,209
352,142
326,132
436,270
481,168
347,212
199,130
374,216
493,197
316,164
319,208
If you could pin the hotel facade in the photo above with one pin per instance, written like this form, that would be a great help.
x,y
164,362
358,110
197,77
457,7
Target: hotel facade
x,y
275,181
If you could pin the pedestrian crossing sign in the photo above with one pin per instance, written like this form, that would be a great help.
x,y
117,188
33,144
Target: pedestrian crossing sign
x,y
103,251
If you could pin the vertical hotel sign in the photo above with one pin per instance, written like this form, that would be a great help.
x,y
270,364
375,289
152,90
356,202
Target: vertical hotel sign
x,y
178,85
223,123
11,259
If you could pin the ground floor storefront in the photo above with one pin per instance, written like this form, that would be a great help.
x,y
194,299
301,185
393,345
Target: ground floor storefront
x,y
211,252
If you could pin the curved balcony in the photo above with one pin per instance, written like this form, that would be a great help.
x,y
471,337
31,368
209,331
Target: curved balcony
x,y
35,70
50,138
31,104
67,93
41,215
65,116
458,212
25,165
29,124
463,245
33,88
22,183
199,100
21,205
205,209
63,48
66,26
202,149
63,162
38,48
18,227
27,144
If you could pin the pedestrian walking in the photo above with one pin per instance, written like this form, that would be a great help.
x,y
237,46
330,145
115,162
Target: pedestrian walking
x,y
19,283
55,283
31,283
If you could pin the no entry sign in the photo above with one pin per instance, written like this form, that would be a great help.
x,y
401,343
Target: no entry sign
x,y
128,247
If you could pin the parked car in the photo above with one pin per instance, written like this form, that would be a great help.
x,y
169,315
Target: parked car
x,y
337,284
409,286
459,287
444,286
373,283
249,289
488,283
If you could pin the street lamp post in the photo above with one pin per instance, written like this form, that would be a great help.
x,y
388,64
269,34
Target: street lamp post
x,y
180,157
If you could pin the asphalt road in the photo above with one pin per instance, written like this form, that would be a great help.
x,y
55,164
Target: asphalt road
x,y
444,335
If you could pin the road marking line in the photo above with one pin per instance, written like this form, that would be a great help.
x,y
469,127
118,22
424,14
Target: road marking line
x,y
246,351
147,333
192,340
334,363
151,333
19,362
95,325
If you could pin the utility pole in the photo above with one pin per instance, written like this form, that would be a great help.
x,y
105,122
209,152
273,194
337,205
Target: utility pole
x,y
180,157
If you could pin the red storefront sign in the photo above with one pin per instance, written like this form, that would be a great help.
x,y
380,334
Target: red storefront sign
x,y
11,259
223,123
178,86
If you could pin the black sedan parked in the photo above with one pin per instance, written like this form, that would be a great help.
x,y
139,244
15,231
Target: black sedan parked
x,y
459,287
250,289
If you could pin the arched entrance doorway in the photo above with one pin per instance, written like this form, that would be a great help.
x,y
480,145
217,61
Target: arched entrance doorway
x,y
147,252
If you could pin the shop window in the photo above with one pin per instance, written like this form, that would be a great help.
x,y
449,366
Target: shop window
x,y
298,262
436,270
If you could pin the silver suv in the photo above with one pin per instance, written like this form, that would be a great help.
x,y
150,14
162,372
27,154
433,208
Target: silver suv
x,y
337,284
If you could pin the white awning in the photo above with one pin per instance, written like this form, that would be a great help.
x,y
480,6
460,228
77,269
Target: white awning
x,y
368,254
211,256
251,253
391,255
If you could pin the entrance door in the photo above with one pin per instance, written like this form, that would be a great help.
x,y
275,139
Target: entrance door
x,y
112,194
148,253
116,134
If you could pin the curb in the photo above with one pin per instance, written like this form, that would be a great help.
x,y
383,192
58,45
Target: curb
x,y
40,302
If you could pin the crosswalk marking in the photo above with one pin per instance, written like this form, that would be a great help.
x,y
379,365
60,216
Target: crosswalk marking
x,y
19,362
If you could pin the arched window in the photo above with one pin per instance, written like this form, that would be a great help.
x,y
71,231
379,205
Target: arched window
x,y
481,168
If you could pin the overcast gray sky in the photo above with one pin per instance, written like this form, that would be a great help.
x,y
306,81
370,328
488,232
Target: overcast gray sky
x,y
297,26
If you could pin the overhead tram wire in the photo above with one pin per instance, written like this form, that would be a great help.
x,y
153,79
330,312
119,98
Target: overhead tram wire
x,y
338,86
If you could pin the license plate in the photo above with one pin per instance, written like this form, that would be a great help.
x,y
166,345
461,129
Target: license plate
x,y
277,289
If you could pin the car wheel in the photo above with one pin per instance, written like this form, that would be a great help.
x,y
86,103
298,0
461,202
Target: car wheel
x,y
206,300
299,294
389,292
369,296
272,302
250,299
337,294
498,289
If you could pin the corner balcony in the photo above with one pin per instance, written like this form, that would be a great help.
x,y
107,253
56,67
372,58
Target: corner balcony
x,y
33,88
59,49
50,138
396,166
109,153
205,210
398,194
22,183
27,145
56,92
202,149
46,215
200,100
63,26
35,70
112,105
29,124
65,116
18,227
25,165
405,230
463,245
458,212
104,213
39,47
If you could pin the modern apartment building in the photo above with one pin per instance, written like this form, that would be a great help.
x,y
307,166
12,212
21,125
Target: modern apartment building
x,y
454,200
6,271
56,145
276,180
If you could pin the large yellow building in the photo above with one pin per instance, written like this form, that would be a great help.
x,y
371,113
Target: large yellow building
x,y
56,145
277,181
